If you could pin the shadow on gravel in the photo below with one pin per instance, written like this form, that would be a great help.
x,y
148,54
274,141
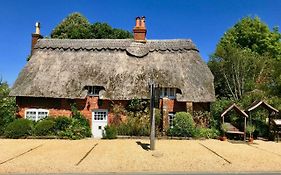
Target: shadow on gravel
x,y
144,146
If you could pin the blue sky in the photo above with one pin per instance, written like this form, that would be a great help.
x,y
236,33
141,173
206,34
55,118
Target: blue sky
x,y
203,21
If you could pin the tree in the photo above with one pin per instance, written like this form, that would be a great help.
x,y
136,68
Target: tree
x,y
7,106
253,34
76,26
244,58
103,30
238,71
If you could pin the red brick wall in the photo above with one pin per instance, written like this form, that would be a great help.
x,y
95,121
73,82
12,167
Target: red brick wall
x,y
61,107
173,105
58,106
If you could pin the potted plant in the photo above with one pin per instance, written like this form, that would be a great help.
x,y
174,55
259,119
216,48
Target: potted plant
x,y
250,129
224,129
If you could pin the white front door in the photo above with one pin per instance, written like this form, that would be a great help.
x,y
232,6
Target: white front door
x,y
99,121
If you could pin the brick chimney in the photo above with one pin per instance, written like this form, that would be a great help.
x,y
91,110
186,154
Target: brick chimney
x,y
35,36
140,30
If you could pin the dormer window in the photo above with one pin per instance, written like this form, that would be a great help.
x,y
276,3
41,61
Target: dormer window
x,y
93,90
168,92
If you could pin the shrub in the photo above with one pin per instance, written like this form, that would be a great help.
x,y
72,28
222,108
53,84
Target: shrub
x,y
76,130
134,126
44,127
62,123
78,116
184,125
110,132
250,129
216,109
202,119
117,110
137,105
206,133
19,128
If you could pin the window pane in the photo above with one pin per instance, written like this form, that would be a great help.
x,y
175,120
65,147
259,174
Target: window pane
x,y
42,114
171,119
172,92
99,115
31,115
165,92
93,90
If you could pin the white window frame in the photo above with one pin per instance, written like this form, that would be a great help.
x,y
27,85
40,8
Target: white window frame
x,y
169,91
102,115
93,90
36,113
171,121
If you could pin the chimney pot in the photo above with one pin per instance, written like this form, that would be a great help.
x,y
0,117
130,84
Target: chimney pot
x,y
140,30
143,21
35,36
37,28
138,22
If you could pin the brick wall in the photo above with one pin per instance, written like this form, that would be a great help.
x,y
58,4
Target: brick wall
x,y
61,107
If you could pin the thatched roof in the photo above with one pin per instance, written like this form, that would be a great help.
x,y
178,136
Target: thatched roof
x,y
61,68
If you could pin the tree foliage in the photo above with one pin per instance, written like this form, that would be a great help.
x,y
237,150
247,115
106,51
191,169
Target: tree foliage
x,y
253,34
238,71
244,59
103,30
246,66
76,26
7,106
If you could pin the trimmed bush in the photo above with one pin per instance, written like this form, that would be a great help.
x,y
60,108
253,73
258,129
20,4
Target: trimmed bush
x,y
19,128
110,132
184,125
44,128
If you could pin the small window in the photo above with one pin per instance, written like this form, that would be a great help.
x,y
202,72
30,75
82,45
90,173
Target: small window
x,y
165,92
171,116
168,92
93,90
36,114
100,115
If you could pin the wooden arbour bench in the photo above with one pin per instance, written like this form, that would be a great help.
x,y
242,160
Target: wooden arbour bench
x,y
231,129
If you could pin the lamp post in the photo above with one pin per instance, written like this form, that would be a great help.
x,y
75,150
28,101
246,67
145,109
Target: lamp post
x,y
152,116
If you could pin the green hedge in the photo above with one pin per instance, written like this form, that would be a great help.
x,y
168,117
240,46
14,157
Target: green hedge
x,y
44,128
19,128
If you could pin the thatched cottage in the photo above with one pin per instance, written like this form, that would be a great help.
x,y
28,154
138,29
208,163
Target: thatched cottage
x,y
93,73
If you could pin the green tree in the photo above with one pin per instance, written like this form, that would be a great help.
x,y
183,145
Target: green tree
x,y
244,58
7,106
103,30
253,34
76,26
238,71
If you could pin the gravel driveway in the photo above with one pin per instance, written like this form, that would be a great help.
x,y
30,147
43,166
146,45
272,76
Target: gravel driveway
x,y
90,155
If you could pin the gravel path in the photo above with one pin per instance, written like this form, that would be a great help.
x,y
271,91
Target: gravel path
x,y
90,155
